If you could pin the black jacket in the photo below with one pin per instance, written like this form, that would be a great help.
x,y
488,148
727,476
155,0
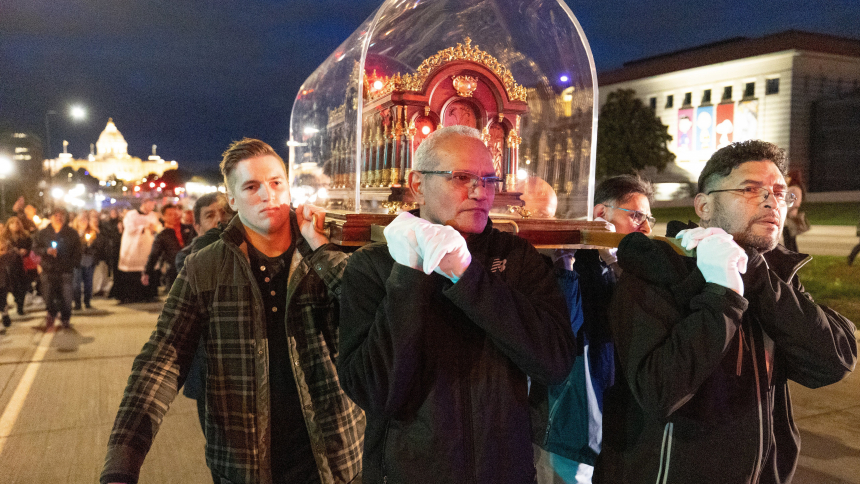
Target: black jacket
x,y
68,245
440,368
701,393
164,249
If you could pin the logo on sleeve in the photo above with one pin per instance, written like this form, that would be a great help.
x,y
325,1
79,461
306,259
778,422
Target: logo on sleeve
x,y
498,265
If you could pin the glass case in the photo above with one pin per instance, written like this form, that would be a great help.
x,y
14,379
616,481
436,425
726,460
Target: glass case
x,y
520,71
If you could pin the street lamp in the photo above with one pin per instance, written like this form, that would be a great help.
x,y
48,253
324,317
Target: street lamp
x,y
76,112
6,169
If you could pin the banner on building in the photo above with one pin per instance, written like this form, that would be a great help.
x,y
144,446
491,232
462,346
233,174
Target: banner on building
x,y
705,128
725,124
746,120
685,129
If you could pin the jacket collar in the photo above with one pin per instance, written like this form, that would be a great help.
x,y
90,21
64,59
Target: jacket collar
x,y
477,238
234,235
783,262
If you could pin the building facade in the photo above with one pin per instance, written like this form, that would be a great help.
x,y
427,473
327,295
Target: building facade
x,y
765,88
111,160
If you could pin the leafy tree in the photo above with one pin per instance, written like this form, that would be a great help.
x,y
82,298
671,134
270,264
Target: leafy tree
x,y
630,137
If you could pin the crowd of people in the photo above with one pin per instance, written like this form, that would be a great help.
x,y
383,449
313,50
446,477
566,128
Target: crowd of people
x,y
65,259
457,353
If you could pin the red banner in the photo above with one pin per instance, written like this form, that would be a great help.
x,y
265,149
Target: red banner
x,y
725,124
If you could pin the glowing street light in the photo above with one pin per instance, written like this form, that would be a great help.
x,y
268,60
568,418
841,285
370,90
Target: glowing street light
x,y
78,112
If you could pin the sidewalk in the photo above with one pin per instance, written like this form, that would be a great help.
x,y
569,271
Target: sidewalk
x,y
56,414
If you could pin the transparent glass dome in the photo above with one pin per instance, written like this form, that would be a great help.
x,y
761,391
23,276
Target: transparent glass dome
x,y
519,71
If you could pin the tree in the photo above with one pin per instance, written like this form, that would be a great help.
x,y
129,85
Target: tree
x,y
630,137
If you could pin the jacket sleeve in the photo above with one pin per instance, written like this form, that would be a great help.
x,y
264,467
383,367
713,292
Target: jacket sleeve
x,y
156,376
40,245
526,316
664,351
158,248
814,344
329,262
382,318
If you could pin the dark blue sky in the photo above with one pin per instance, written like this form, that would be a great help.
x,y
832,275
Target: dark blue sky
x,y
192,75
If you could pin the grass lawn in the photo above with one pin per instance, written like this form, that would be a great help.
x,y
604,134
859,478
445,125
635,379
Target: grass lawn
x,y
834,283
817,213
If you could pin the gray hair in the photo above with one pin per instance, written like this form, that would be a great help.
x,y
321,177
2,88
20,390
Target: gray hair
x,y
425,156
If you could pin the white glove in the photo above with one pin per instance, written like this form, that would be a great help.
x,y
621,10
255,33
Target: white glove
x,y
402,241
722,261
611,225
445,251
690,238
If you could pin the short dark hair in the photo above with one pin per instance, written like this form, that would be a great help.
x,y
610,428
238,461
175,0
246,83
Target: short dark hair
x,y
242,150
724,160
60,210
620,188
207,200
167,207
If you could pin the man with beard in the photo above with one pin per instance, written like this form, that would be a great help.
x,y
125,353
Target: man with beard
x,y
706,345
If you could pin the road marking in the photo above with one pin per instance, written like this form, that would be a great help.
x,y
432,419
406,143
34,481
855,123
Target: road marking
x,y
16,403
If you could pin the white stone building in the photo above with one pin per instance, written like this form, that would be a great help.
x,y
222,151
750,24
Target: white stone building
x,y
763,88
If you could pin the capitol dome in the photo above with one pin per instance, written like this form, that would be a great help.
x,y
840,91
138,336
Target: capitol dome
x,y
111,143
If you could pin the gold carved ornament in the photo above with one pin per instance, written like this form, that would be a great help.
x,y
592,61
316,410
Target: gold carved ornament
x,y
462,52
465,85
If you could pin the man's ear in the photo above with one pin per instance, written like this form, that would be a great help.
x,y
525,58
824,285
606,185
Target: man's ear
x,y
231,200
704,207
599,211
416,184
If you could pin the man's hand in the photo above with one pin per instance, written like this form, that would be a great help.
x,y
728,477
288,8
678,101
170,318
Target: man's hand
x,y
144,279
721,261
402,241
445,251
311,221
52,252
690,238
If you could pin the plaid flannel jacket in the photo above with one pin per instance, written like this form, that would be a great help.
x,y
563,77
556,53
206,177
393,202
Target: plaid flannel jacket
x,y
215,297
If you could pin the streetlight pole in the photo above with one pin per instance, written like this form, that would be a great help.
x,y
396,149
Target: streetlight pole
x,y
48,134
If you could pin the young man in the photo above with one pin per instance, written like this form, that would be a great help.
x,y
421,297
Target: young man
x,y
568,427
167,244
59,246
441,328
706,345
263,300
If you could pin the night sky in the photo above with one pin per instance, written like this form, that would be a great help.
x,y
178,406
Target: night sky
x,y
192,75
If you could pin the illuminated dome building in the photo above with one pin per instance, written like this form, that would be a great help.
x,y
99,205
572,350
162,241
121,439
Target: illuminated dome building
x,y
111,159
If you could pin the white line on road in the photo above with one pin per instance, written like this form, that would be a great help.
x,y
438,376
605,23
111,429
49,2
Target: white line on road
x,y
16,403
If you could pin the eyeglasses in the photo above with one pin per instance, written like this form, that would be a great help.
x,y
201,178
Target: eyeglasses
x,y
761,194
464,179
638,217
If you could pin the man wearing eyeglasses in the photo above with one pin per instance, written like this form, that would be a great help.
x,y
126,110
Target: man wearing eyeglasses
x,y
567,418
706,345
441,327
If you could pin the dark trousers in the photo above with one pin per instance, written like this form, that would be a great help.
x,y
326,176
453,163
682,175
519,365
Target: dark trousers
x,y
57,291
853,254
83,275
